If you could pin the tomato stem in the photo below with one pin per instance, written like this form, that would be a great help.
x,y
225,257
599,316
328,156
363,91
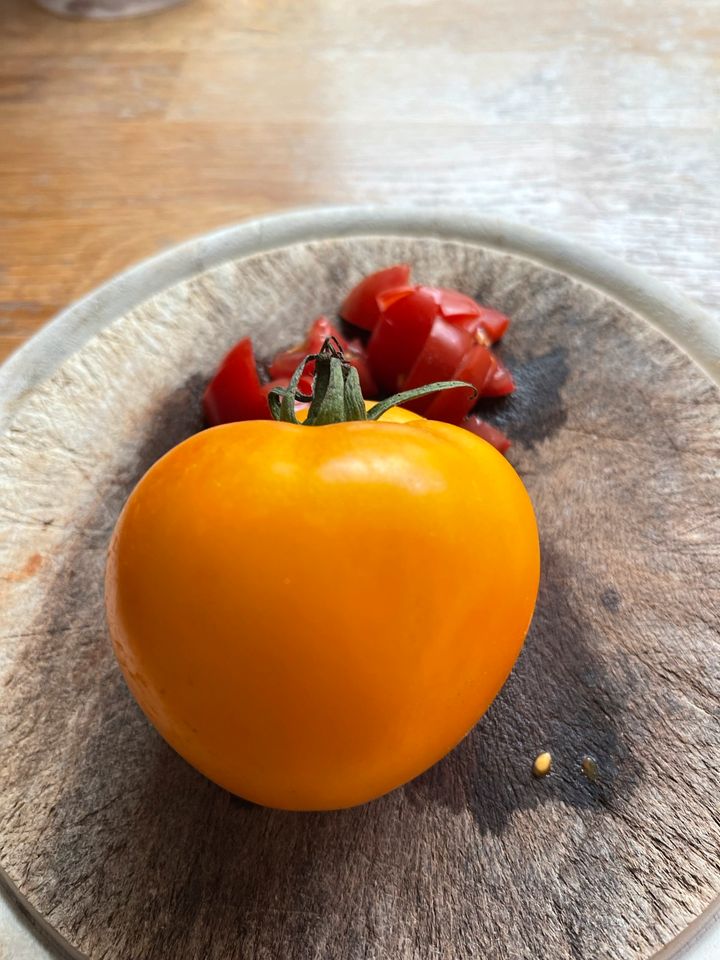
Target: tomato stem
x,y
336,394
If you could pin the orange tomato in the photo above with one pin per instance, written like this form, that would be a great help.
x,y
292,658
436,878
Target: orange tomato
x,y
312,616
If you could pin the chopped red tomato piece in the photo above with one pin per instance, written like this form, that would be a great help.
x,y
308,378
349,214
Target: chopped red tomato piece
x,y
499,382
285,363
357,356
488,321
420,334
452,406
388,297
488,432
234,392
439,358
398,338
305,385
453,305
360,307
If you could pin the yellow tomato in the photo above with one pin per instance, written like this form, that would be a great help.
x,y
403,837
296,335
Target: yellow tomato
x,y
312,616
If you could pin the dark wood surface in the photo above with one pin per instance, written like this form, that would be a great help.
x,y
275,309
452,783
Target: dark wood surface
x,y
130,854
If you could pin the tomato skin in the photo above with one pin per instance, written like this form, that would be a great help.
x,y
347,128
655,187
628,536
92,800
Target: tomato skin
x,y
491,322
282,691
499,382
409,338
440,356
234,393
285,363
404,326
357,356
454,306
360,307
481,428
452,406
305,386
404,317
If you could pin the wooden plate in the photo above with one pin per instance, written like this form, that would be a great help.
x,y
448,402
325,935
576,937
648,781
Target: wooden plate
x,y
115,848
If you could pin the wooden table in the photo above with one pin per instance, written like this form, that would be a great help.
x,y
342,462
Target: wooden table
x,y
595,119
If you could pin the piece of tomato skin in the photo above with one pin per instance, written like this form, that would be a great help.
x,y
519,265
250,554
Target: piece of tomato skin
x,y
364,303
234,393
489,322
399,337
367,381
452,406
499,382
483,325
454,305
286,362
304,386
481,428
440,356
360,307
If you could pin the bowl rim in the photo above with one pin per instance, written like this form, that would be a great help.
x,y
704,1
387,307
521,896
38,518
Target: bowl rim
x,y
689,327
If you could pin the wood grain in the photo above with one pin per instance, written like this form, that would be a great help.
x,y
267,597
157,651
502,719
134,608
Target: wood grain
x,y
128,852
597,119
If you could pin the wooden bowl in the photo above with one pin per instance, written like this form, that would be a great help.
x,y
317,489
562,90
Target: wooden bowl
x,y
113,847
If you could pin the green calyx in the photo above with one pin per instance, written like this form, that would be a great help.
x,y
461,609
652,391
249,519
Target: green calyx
x,y
336,395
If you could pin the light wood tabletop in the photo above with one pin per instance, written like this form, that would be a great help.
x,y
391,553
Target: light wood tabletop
x,y
598,120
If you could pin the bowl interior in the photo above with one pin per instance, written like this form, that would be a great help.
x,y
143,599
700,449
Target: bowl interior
x,y
126,851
